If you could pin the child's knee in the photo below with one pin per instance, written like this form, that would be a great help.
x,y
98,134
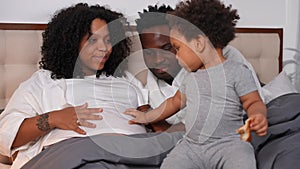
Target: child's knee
x,y
241,156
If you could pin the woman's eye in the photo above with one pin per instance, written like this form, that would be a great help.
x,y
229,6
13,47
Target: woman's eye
x,y
107,41
92,40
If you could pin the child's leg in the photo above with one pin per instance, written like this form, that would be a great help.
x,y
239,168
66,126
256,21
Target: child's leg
x,y
233,154
184,156
241,155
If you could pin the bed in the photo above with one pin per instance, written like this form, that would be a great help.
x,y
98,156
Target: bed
x,y
262,47
20,53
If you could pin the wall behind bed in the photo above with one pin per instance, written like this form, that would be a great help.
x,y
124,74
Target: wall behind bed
x,y
256,13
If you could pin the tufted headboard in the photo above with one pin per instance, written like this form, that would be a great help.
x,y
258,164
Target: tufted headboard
x,y
20,53
262,47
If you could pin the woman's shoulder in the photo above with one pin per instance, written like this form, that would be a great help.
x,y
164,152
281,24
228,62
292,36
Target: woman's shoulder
x,y
39,78
38,81
42,73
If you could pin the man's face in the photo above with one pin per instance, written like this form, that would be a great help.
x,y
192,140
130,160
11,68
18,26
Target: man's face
x,y
159,55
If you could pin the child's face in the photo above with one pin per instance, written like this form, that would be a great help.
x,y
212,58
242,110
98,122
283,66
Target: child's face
x,y
185,51
96,49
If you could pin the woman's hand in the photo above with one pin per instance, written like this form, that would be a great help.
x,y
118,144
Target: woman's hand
x,y
71,118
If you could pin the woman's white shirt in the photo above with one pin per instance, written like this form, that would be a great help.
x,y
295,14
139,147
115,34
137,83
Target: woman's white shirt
x,y
41,94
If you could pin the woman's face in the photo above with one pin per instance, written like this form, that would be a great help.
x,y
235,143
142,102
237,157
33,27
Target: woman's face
x,y
95,50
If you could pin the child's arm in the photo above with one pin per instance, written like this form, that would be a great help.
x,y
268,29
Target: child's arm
x,y
257,111
165,110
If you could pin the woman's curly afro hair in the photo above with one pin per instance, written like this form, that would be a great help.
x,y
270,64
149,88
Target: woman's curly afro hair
x,y
210,17
62,37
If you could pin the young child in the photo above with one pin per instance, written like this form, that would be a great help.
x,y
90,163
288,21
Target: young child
x,y
215,92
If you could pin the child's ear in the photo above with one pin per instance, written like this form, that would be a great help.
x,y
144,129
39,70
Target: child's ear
x,y
200,43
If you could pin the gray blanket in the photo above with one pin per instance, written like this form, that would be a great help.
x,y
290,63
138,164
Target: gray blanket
x,y
140,151
280,148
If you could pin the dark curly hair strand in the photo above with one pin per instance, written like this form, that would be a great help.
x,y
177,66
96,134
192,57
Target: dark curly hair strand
x,y
210,17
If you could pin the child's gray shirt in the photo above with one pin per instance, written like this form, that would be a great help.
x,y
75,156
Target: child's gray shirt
x,y
213,107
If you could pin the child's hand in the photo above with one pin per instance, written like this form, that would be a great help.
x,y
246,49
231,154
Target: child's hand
x,y
139,117
259,124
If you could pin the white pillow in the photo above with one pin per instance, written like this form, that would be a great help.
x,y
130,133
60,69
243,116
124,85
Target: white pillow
x,y
279,86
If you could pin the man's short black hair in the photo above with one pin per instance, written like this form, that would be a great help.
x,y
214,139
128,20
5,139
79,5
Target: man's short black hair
x,y
153,16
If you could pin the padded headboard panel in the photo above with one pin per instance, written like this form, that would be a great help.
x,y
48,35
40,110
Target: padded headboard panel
x,y
262,48
20,53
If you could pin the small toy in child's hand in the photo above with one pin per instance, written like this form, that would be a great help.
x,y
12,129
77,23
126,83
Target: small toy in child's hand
x,y
245,131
